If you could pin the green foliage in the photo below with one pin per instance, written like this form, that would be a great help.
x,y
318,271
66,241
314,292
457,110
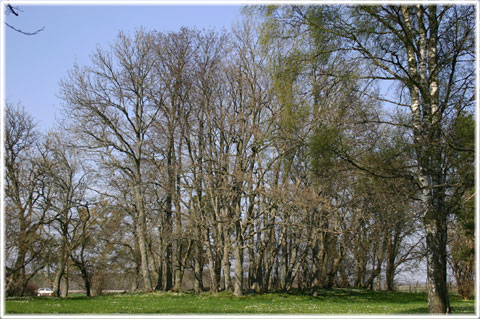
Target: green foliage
x,y
270,9
270,27
391,154
461,203
293,112
324,145
320,20
466,217
286,73
329,301
465,129
463,139
462,162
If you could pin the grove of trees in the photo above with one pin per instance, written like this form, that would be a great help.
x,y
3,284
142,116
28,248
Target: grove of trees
x,y
310,147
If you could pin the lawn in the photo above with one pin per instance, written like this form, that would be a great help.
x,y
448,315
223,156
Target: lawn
x,y
335,301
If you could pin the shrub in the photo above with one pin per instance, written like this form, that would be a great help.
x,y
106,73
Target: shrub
x,y
31,289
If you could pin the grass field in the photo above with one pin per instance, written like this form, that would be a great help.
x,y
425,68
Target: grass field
x,y
336,301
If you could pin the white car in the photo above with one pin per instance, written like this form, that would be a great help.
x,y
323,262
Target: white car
x,y
45,292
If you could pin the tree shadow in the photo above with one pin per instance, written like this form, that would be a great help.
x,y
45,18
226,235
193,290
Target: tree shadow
x,y
365,295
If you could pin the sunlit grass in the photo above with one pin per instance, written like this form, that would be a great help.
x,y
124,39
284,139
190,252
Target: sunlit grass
x,y
335,301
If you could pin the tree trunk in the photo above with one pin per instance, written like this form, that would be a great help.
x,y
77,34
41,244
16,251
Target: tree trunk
x,y
58,279
218,269
197,271
211,265
134,284
168,248
252,265
238,284
426,122
168,268
141,231
390,266
18,275
86,280
180,251
389,276
85,275
226,262
159,285
436,229
178,279
60,271
65,283
177,265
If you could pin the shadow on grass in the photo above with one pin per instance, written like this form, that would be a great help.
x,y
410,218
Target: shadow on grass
x,y
33,298
78,298
418,310
365,295
455,310
467,309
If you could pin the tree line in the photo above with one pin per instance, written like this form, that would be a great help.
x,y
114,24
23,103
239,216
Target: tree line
x,y
269,157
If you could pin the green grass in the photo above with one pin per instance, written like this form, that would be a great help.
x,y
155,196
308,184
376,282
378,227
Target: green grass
x,y
336,301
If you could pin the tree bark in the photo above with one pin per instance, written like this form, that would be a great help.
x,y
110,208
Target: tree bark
x,y
211,265
197,270
426,121
226,261
238,283
58,278
390,266
141,232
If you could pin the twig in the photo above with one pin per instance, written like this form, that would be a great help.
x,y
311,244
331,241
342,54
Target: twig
x,y
23,32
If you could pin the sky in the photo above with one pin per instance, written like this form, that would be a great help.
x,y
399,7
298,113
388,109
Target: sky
x,y
35,64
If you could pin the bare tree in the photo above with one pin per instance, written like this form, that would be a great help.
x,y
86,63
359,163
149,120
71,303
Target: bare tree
x,y
68,181
114,115
26,208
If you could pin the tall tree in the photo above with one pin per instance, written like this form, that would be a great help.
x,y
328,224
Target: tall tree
x,y
428,51
68,180
174,53
113,115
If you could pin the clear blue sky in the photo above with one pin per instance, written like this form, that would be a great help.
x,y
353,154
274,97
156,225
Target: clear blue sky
x,y
35,64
